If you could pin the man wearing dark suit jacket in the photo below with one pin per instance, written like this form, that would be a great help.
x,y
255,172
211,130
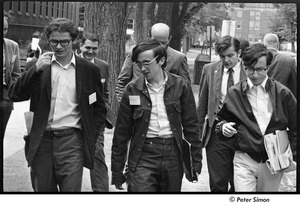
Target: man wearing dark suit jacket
x,y
89,45
283,67
11,71
213,89
176,61
65,93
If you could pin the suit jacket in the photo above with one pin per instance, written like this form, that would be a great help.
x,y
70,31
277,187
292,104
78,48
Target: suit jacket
x,y
37,87
104,70
176,64
12,65
210,92
283,69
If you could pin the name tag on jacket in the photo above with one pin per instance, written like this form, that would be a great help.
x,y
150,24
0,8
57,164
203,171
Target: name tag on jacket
x,y
134,100
92,98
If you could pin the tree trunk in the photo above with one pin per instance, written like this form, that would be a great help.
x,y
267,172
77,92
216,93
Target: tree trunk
x,y
109,21
177,28
144,20
164,13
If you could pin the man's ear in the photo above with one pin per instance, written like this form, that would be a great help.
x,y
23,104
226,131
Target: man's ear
x,y
239,52
162,61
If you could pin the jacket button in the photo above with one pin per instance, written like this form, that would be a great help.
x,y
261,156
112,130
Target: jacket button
x,y
143,135
146,120
138,149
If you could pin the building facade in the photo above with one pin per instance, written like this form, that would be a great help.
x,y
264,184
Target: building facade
x,y
31,16
252,21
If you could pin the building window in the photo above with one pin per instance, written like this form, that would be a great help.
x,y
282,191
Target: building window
x,y
239,13
47,9
27,6
238,35
53,10
41,7
239,24
257,15
250,37
130,24
34,7
19,6
252,13
256,39
11,5
251,25
257,25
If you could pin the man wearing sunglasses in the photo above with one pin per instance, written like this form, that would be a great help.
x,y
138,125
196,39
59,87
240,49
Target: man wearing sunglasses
x,y
255,107
176,61
155,110
65,93
89,46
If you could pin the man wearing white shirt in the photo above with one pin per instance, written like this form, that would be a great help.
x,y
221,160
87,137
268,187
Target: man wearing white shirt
x,y
257,106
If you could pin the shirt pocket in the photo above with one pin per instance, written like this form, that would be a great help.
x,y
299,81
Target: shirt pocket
x,y
177,108
138,113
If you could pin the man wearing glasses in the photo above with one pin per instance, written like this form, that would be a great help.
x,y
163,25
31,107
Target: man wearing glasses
x,y
256,106
154,111
65,93
176,61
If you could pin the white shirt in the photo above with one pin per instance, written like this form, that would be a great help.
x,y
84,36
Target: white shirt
x,y
261,104
159,125
64,111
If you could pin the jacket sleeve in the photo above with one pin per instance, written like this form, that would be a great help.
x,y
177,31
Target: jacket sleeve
x,y
203,98
122,135
21,89
190,125
16,71
183,69
124,78
292,83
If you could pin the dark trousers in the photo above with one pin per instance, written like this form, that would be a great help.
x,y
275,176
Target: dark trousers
x,y
58,163
99,175
6,112
219,155
159,168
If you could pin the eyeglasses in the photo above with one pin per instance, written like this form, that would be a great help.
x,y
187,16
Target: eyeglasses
x,y
145,64
89,48
259,70
64,42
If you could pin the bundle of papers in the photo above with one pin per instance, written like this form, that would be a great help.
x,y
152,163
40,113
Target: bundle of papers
x,y
279,152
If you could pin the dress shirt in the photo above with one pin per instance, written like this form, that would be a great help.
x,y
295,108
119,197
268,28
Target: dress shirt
x,y
159,125
261,104
236,79
64,111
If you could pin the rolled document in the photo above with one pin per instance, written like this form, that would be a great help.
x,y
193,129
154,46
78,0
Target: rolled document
x,y
28,120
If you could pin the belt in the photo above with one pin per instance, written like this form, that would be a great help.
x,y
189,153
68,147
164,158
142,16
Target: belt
x,y
159,140
61,132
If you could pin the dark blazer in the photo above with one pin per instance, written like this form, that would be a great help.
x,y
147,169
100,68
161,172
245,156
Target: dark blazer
x,y
283,69
210,91
104,70
176,64
37,87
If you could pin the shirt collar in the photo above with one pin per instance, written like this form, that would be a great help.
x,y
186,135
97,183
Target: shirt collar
x,y
263,84
73,61
166,79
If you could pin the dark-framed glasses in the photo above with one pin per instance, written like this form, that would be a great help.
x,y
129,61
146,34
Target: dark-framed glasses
x,y
259,70
145,64
64,42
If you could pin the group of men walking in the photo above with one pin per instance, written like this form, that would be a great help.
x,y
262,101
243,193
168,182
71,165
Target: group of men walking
x,y
238,104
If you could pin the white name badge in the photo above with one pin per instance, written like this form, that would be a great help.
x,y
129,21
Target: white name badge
x,y
134,100
92,98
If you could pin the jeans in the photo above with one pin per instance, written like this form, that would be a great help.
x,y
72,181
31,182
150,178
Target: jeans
x,y
58,163
159,168
99,175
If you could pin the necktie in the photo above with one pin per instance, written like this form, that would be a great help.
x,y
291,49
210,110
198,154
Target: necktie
x,y
230,78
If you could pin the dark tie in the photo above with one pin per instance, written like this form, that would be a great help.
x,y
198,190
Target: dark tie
x,y
230,78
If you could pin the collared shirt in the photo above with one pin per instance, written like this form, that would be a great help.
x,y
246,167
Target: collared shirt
x,y
261,103
64,111
236,78
159,125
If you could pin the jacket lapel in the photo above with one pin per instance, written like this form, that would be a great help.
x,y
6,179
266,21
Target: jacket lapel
x,y
218,80
47,81
78,74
